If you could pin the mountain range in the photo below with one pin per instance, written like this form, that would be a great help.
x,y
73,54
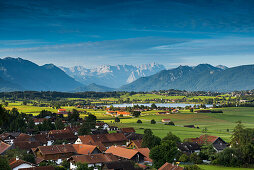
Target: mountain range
x,y
17,74
203,77
112,76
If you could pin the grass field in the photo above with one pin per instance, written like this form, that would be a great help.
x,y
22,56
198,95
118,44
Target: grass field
x,y
211,167
216,123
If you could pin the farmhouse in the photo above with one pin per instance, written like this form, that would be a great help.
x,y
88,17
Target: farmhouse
x,y
103,140
61,111
118,113
126,154
165,120
188,147
92,160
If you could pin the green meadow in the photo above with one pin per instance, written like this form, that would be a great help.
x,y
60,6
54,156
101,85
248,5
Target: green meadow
x,y
219,124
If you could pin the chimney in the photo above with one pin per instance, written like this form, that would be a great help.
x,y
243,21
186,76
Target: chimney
x,y
17,158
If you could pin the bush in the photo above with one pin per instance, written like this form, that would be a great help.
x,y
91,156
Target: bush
x,y
184,158
192,167
139,121
153,121
170,123
117,119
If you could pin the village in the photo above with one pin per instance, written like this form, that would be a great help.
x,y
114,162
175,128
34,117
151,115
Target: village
x,y
93,144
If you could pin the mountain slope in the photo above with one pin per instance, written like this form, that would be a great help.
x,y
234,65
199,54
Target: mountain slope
x,y
112,76
33,77
93,87
202,77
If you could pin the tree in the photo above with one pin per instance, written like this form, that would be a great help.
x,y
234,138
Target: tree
x,y
228,157
153,106
4,163
191,109
171,137
207,152
117,119
87,125
153,121
166,152
139,121
73,116
149,140
30,123
195,158
59,124
136,113
183,158
83,166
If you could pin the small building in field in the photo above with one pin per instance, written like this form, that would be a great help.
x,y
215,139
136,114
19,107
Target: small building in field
x,y
165,120
62,111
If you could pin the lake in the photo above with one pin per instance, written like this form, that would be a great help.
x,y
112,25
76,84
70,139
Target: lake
x,y
157,104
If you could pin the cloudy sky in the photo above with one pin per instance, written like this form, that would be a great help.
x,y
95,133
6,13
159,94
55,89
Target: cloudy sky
x,y
97,32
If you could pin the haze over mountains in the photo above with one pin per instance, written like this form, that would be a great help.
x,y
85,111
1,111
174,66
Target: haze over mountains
x,y
112,76
19,74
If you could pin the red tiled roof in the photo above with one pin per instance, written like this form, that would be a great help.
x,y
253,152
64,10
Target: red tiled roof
x,y
15,163
61,109
83,148
122,152
39,168
3,147
104,138
207,139
168,166
123,113
23,137
94,158
56,149
26,145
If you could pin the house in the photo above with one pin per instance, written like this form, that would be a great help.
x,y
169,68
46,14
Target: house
x,y
188,147
168,166
112,128
4,147
119,165
127,130
134,136
39,168
103,140
38,121
118,113
92,160
145,152
217,143
17,163
7,138
62,135
101,125
134,144
163,113
175,111
62,111
165,120
126,154
203,111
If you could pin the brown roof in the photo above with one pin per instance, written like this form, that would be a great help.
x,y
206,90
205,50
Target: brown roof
x,y
26,145
98,144
145,152
23,137
122,152
42,138
3,147
39,168
138,143
15,163
94,158
56,149
62,135
104,138
3,136
168,166
128,130
84,149
39,120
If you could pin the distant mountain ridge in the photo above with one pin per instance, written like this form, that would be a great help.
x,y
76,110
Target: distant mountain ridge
x,y
203,77
20,74
112,76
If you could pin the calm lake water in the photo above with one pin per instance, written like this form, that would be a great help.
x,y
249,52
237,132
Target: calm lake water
x,y
157,104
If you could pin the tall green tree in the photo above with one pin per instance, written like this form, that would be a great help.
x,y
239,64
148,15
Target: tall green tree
x,y
59,124
166,152
150,140
171,137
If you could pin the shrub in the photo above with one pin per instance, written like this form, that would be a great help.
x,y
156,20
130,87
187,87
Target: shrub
x,y
170,123
153,121
192,167
139,121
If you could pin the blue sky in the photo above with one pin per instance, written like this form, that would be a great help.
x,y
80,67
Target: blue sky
x,y
97,32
